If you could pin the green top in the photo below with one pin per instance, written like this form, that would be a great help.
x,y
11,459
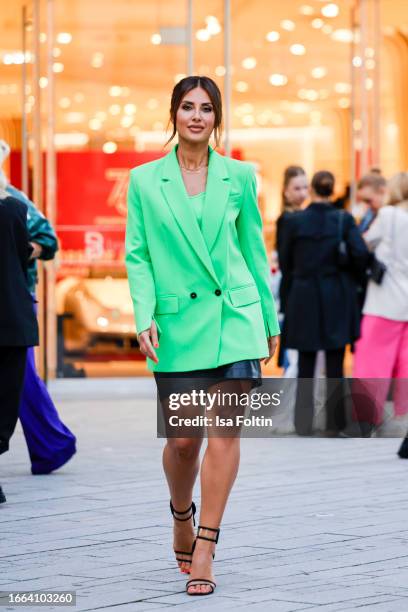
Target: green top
x,y
197,202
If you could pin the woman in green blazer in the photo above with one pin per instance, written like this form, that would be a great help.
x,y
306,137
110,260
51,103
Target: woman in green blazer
x,y
199,282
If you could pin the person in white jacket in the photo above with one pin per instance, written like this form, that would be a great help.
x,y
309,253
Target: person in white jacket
x,y
382,351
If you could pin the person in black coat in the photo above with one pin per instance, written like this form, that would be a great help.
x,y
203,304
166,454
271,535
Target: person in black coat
x,y
18,324
322,310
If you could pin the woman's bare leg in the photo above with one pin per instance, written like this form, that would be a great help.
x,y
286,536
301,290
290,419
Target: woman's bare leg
x,y
219,469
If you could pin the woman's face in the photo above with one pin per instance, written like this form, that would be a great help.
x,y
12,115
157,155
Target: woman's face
x,y
195,117
297,190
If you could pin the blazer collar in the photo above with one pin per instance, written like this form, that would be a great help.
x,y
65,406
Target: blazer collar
x,y
216,198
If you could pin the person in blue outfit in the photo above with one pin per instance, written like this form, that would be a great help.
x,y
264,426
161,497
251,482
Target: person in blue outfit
x,y
50,443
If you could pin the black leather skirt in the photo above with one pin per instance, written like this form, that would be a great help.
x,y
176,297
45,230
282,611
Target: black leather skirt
x,y
185,382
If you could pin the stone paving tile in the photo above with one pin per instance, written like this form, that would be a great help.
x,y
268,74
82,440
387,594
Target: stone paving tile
x,y
312,524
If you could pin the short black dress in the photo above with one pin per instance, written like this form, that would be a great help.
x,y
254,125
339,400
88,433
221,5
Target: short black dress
x,y
185,382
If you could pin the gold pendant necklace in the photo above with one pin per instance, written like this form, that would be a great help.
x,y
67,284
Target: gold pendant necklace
x,y
195,171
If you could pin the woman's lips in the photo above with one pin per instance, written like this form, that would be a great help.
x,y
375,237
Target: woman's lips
x,y
195,128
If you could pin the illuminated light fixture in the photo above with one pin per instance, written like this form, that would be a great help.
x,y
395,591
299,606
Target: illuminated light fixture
x,y
95,124
43,37
56,52
156,39
79,97
64,38
130,109
74,117
342,35
213,25
297,49
97,60
278,80
369,52
126,121
342,88
306,9
241,86
357,61
370,64
103,321
16,57
344,103
72,139
114,109
249,63
43,82
64,103
152,104
115,91
109,147
330,10
317,23
369,84
179,77
327,29
288,25
272,36
248,120
203,35
319,72
308,94
58,67
220,71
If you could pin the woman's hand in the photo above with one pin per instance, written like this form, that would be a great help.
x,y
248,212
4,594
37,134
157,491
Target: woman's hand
x,y
147,340
272,344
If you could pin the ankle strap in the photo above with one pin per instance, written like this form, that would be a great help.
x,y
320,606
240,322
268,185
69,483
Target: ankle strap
x,y
191,509
216,531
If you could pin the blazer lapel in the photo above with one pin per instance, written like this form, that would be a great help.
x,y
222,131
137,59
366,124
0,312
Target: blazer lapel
x,y
176,196
216,198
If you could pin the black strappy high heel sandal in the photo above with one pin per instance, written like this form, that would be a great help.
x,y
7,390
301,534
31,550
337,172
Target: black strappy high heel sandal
x,y
203,581
187,555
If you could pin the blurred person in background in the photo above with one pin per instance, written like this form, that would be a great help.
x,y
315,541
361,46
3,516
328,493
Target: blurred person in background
x,y
18,324
382,351
322,311
295,191
372,192
50,443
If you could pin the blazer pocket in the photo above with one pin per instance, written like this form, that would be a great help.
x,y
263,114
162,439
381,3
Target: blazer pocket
x,y
168,304
242,296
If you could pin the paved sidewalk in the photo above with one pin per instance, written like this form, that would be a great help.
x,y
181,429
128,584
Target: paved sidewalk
x,y
312,524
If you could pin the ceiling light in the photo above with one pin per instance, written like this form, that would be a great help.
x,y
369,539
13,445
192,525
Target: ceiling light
x,y
155,39
130,109
288,25
369,84
74,117
306,9
109,147
357,61
115,91
330,10
297,49
272,36
43,37
220,71
213,25
342,35
319,72
58,67
342,88
43,82
369,52
126,121
97,60
278,80
317,23
249,63
95,124
241,86
64,103
64,38
114,109
203,34
72,139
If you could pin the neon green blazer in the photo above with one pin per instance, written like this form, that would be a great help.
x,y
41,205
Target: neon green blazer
x,y
207,289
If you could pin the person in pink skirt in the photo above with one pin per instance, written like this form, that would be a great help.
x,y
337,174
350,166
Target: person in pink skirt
x,y
381,353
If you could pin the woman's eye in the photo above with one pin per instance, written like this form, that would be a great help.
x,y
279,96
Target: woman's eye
x,y
207,109
186,107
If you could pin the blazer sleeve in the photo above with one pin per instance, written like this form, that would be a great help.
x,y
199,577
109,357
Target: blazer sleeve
x,y
138,262
249,228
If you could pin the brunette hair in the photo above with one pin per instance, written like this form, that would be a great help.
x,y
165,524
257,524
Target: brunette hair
x,y
323,183
398,189
290,173
186,85
374,180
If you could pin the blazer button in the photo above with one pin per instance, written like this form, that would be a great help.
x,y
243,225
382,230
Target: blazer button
x,y
193,294
217,292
